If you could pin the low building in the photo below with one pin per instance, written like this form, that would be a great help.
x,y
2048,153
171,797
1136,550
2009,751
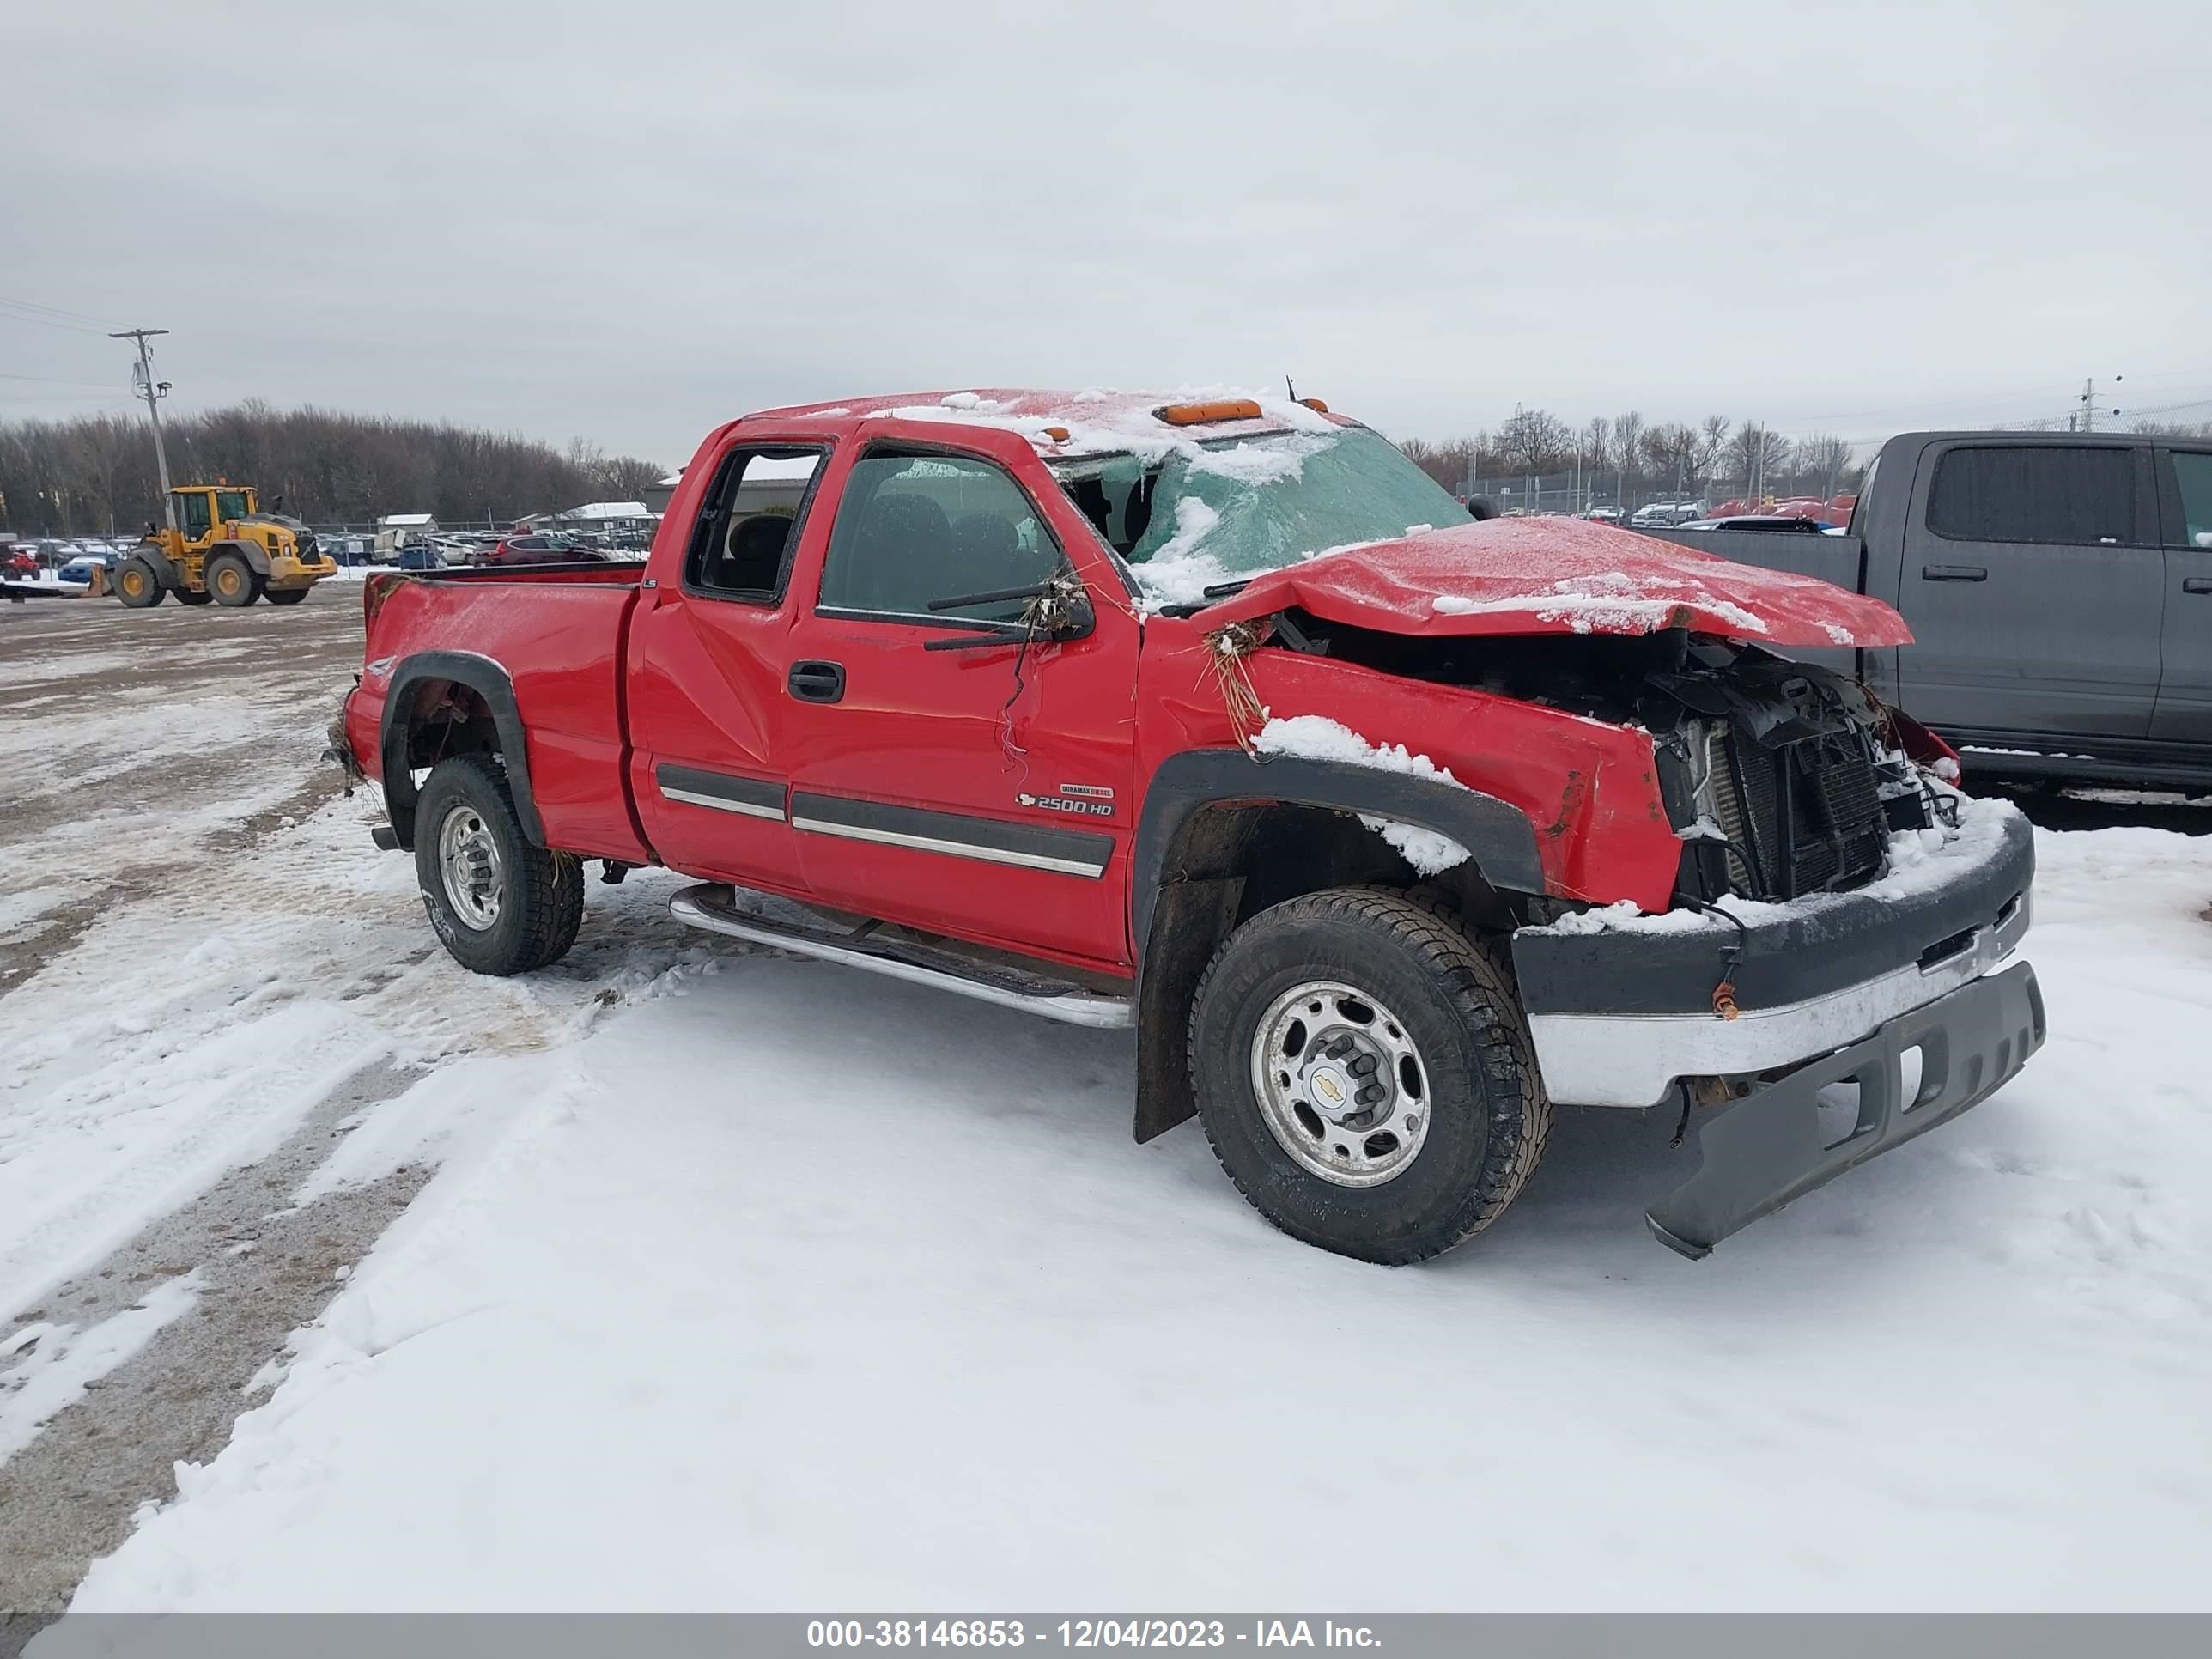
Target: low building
x,y
614,518
397,529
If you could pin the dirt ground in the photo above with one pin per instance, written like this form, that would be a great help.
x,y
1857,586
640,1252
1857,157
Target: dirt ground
x,y
208,975
118,729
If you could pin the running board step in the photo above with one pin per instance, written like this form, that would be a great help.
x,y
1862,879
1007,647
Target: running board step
x,y
762,920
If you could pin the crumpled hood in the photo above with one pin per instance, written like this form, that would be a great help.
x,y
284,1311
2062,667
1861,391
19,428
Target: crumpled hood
x,y
1561,576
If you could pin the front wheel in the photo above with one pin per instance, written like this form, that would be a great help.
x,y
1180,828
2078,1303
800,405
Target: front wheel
x,y
137,585
1365,1076
231,579
501,903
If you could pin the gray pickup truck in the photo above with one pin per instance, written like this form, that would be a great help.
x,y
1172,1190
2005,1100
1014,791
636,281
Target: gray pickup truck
x,y
2059,590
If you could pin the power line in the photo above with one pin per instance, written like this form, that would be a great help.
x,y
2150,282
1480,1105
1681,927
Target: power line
x,y
48,379
29,311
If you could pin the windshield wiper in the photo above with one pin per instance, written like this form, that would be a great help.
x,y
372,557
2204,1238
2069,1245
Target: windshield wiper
x,y
1223,590
996,595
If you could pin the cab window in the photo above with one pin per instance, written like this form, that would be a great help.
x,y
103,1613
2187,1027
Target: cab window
x,y
192,513
2192,480
231,504
2035,493
917,526
741,547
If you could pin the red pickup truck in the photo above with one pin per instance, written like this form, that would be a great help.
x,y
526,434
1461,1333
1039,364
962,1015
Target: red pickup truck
x,y
1386,830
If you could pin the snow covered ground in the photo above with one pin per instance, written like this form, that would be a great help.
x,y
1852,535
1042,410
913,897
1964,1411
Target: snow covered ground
x,y
746,1282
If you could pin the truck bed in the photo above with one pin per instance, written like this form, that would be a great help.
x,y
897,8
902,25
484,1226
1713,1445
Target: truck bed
x,y
556,634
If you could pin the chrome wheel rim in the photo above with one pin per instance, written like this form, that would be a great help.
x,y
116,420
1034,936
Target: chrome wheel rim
x,y
1340,1084
469,865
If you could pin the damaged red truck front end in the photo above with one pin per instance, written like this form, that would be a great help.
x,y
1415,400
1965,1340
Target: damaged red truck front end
x,y
1389,832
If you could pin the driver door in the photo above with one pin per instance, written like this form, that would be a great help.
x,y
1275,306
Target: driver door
x,y
982,792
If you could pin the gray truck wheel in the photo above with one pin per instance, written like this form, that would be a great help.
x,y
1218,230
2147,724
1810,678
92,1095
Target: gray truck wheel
x,y
231,579
501,904
137,585
1364,1074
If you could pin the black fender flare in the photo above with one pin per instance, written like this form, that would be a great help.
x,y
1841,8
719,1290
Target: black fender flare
x,y
255,555
1497,834
1201,902
490,680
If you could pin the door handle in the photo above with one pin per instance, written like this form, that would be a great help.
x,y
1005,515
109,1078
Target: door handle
x,y
2197,584
817,682
1953,573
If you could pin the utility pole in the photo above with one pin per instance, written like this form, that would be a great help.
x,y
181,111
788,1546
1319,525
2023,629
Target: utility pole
x,y
2088,416
144,384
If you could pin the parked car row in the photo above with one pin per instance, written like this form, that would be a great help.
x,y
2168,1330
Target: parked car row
x,y
447,552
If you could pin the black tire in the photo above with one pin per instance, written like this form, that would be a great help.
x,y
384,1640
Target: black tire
x,y
184,598
543,901
284,595
138,585
231,580
1487,1115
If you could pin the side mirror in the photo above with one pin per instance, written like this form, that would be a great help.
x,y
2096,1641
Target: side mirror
x,y
1066,612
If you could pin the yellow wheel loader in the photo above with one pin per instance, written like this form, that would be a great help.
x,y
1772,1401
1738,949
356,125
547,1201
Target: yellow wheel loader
x,y
222,549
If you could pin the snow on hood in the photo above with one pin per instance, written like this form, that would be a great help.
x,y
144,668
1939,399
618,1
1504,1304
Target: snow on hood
x,y
1562,576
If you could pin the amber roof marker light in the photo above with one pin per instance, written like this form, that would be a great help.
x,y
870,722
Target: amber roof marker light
x,y
1224,408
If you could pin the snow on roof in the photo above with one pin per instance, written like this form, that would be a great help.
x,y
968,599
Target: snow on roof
x,y
608,510
1095,420
406,520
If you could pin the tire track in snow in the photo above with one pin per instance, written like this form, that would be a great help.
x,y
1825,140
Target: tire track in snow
x,y
266,1269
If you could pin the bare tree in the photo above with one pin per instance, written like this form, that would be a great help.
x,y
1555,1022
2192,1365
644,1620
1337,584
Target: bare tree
x,y
1712,439
1627,449
1597,445
1671,455
96,473
1823,463
1760,456
1535,441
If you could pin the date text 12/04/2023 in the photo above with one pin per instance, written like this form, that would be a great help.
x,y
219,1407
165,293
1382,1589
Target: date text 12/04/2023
x,y
1081,1633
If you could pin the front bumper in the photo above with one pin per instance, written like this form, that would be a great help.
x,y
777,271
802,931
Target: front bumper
x,y
1618,1016
1784,1139
1890,1001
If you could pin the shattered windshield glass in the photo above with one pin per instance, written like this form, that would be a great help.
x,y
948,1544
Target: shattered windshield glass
x,y
1232,508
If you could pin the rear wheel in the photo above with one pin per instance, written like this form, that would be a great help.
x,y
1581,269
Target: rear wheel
x,y
285,595
501,903
137,585
1365,1073
231,579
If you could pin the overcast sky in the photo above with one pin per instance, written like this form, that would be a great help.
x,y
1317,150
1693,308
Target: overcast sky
x,y
628,221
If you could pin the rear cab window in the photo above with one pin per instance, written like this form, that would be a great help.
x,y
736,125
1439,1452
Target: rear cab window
x,y
742,544
2039,494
